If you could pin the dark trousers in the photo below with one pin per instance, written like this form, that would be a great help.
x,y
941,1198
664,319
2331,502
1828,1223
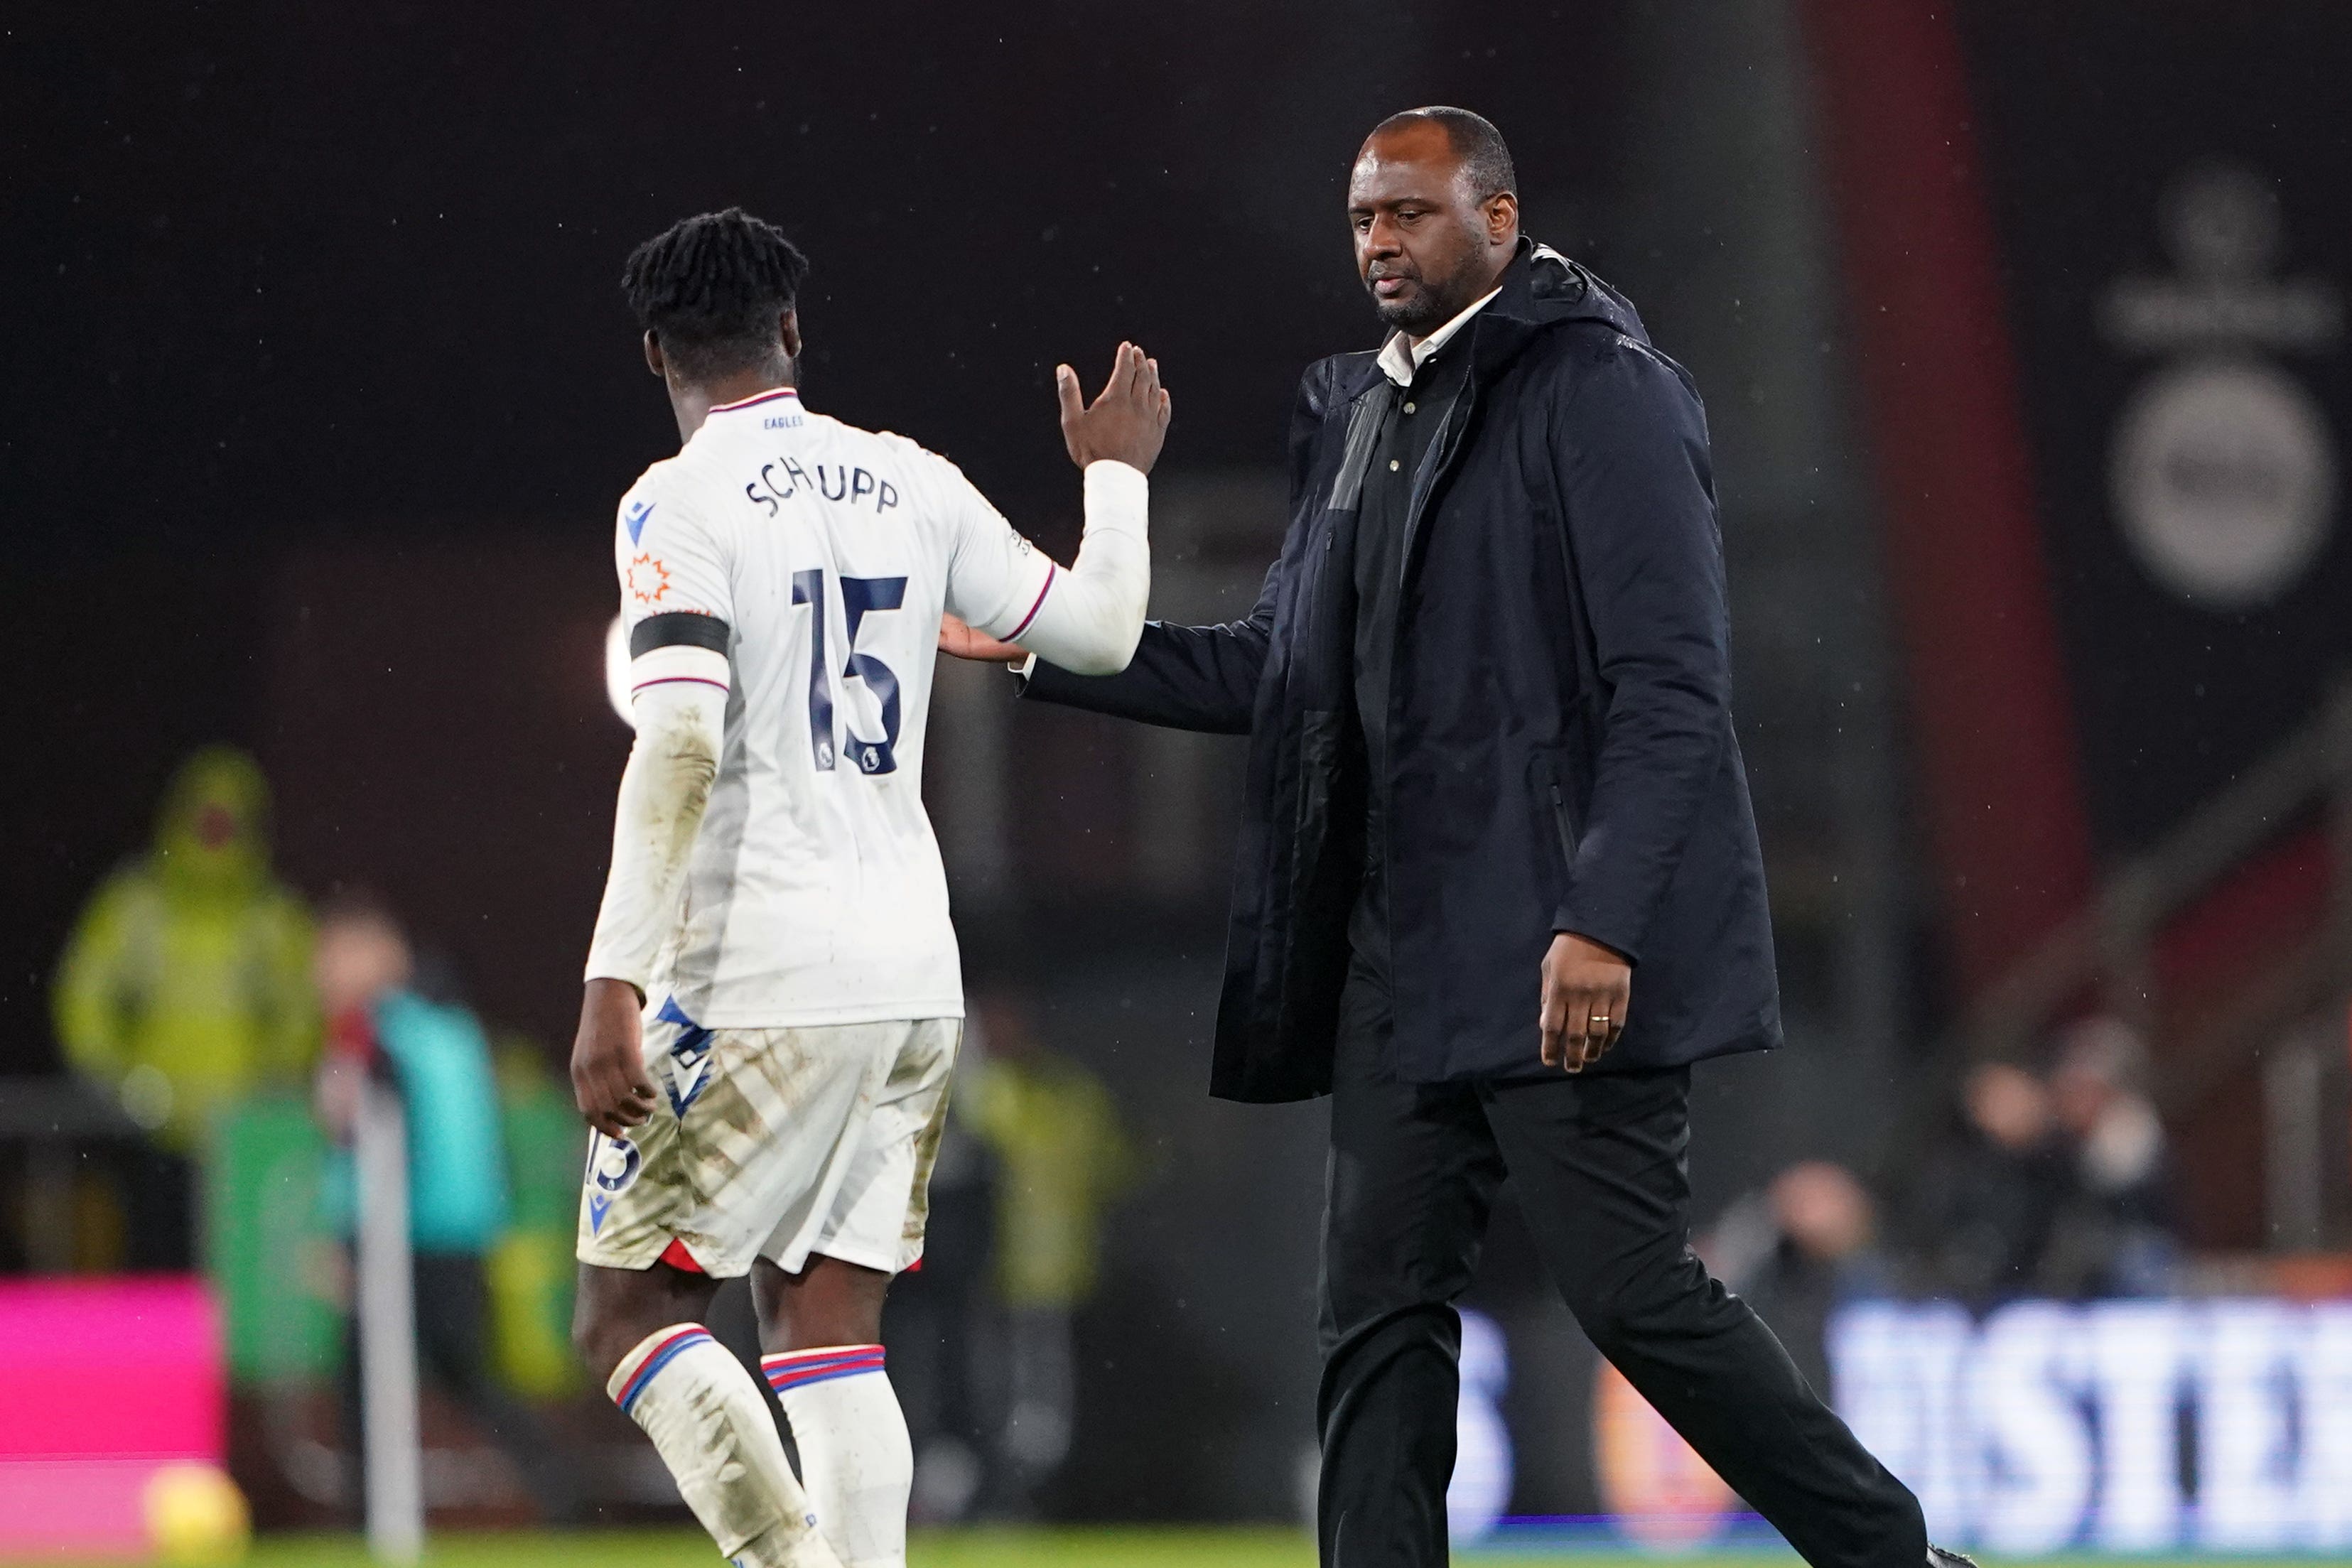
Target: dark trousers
x,y
1597,1164
161,1194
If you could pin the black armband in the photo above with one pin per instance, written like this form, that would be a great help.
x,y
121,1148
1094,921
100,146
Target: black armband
x,y
678,629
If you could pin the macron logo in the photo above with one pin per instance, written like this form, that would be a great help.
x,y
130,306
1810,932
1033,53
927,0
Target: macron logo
x,y
637,519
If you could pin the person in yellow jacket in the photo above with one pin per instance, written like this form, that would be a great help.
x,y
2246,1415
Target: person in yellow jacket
x,y
1061,1159
186,985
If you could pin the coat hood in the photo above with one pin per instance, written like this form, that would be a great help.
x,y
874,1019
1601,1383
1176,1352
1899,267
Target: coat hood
x,y
1541,290
211,836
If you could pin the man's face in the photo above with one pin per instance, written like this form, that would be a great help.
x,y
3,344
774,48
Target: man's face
x,y
1425,245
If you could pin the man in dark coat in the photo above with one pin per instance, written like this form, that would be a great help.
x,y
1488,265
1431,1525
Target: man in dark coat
x,y
1499,883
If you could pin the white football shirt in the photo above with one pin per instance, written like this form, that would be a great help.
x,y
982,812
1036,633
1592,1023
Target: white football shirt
x,y
814,893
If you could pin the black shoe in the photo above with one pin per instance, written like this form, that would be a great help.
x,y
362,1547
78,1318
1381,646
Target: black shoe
x,y
1941,1557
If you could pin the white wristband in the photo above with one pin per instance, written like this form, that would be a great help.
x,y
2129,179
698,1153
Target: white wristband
x,y
1117,496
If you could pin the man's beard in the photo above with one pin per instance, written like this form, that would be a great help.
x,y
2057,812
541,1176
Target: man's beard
x,y
1416,316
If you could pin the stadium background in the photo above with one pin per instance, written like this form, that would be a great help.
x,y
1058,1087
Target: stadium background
x,y
2023,339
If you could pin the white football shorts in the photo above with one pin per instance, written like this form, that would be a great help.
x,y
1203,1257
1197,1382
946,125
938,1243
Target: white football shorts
x,y
777,1143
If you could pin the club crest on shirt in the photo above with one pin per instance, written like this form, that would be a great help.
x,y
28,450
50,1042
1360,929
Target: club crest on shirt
x,y
648,578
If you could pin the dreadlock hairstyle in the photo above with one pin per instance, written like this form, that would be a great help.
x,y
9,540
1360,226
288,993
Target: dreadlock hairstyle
x,y
1485,161
710,288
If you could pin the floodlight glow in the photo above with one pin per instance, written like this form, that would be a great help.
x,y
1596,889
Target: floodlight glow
x,y
616,671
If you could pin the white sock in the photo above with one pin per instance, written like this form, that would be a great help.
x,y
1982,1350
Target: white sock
x,y
855,1454
707,1419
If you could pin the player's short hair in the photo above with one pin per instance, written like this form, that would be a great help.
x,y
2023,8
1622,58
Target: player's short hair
x,y
709,289
1484,160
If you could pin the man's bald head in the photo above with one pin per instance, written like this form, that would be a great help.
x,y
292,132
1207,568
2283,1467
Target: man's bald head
x,y
1485,161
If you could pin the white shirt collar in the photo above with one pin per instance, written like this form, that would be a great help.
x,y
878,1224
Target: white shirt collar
x,y
1400,357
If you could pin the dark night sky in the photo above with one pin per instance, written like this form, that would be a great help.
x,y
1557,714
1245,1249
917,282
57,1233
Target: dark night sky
x,y
278,275
281,268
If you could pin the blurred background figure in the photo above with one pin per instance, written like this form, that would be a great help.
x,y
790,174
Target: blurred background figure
x,y
2115,1233
1061,1158
434,1053
1993,1200
185,988
530,1266
1799,1249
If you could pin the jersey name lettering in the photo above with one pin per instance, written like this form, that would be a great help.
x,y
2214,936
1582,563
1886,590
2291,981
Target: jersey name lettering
x,y
785,478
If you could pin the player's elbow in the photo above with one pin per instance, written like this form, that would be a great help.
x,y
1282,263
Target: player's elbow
x,y
1112,652
1094,625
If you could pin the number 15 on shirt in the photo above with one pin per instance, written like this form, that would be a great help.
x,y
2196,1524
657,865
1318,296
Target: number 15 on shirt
x,y
860,596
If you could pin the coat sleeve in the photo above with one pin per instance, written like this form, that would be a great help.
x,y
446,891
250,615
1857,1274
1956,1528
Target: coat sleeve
x,y
1184,677
99,986
1631,452
1204,677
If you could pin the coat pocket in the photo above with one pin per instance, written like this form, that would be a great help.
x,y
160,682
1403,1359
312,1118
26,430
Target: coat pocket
x,y
1557,811
1322,879
1319,743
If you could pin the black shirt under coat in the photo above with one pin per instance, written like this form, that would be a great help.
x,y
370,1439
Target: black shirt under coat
x,y
1559,753
1409,420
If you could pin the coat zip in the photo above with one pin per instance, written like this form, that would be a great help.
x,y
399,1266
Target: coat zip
x,y
1559,820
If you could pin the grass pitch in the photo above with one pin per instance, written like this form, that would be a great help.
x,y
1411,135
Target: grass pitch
x,y
1135,1548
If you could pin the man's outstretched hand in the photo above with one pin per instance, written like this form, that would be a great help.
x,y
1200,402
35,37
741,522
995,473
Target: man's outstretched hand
x,y
962,641
609,1082
1586,988
1127,423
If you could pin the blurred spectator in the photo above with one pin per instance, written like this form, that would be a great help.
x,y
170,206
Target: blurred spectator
x,y
2115,1234
532,1269
1798,1251
1061,1159
186,987
434,1053
1993,1201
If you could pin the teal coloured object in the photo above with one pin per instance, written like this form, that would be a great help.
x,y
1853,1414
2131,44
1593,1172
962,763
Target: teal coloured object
x,y
457,1192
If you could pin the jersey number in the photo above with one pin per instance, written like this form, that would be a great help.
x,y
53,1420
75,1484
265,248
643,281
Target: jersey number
x,y
859,597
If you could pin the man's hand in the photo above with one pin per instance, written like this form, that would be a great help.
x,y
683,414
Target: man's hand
x,y
609,1082
962,641
1127,423
1586,988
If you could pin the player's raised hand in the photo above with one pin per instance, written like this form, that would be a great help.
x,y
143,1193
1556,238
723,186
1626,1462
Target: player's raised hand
x,y
609,1082
1127,423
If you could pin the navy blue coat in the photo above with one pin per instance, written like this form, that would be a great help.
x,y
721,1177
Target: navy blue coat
x,y
1561,754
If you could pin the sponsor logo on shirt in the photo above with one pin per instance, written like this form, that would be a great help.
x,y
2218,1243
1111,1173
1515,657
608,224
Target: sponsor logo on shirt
x,y
613,1164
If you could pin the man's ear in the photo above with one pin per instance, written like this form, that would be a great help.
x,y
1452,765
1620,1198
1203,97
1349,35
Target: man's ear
x,y
788,332
654,361
1503,218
